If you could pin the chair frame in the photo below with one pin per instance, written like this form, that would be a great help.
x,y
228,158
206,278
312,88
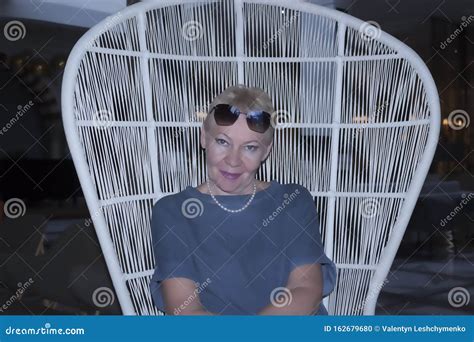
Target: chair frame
x,y
344,21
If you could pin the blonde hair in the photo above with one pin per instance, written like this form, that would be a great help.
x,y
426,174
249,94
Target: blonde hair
x,y
246,99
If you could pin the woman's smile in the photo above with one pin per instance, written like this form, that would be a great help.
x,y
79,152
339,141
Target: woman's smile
x,y
230,176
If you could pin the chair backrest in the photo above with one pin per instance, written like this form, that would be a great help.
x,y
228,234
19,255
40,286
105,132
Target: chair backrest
x,y
357,124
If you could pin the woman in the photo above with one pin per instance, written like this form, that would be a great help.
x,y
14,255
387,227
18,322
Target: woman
x,y
236,245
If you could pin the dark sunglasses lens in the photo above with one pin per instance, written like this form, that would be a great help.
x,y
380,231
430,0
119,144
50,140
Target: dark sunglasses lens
x,y
258,121
224,115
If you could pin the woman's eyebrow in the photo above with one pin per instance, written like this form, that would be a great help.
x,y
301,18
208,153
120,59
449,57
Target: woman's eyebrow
x,y
258,142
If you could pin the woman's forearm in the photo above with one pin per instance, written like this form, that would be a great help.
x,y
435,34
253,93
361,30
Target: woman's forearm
x,y
200,312
302,301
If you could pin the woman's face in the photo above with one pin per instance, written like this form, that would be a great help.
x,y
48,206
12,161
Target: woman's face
x,y
236,150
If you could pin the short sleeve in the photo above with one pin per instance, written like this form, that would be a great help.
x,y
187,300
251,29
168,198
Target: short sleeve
x,y
304,243
173,255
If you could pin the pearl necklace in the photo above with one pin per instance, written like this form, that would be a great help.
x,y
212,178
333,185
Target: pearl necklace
x,y
232,210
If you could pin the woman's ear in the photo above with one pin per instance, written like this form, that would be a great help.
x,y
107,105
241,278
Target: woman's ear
x,y
203,137
267,151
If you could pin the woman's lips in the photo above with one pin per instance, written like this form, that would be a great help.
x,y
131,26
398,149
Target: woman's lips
x,y
231,176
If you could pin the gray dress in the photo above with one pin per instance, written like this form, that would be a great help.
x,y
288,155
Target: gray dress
x,y
240,261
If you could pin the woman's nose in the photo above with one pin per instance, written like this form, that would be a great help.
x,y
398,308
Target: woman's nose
x,y
233,158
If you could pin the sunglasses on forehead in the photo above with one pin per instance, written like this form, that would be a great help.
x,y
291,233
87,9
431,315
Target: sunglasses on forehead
x,y
227,115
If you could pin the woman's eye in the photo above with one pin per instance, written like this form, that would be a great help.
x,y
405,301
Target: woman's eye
x,y
221,141
252,147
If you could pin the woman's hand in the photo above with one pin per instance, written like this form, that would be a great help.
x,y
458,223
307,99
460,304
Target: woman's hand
x,y
305,290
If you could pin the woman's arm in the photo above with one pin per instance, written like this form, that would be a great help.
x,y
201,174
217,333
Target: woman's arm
x,y
202,312
303,295
181,298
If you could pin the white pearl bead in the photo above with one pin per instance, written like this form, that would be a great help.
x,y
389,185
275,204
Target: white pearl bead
x,y
233,210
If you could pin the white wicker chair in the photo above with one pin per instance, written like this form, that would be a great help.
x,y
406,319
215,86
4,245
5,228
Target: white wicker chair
x,y
358,122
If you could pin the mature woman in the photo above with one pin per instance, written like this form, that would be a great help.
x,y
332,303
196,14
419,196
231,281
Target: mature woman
x,y
236,245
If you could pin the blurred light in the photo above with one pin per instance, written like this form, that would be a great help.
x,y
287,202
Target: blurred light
x,y
359,119
201,115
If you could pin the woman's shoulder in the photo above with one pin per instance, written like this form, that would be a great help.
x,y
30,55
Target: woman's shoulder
x,y
295,188
169,203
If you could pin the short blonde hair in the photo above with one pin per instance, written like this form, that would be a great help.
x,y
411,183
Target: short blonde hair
x,y
246,99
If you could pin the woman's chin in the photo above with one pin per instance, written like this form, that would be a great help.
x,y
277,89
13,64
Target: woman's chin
x,y
226,185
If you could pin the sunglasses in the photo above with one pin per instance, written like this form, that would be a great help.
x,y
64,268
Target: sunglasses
x,y
227,115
